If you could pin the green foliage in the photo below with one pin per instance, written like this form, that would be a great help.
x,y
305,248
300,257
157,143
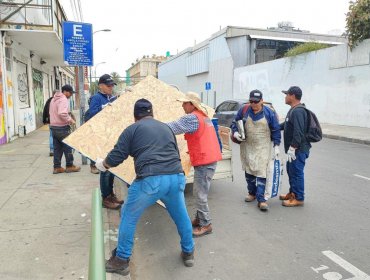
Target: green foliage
x,y
305,47
116,78
358,22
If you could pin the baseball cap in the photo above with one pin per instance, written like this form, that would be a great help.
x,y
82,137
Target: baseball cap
x,y
143,108
255,95
294,90
68,88
107,80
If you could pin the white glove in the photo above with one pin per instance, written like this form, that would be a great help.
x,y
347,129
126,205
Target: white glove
x,y
290,155
276,152
238,137
105,105
99,164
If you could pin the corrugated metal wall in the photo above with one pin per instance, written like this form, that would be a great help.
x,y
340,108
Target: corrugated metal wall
x,y
240,50
197,62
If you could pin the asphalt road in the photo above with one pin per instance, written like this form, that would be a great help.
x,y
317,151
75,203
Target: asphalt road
x,y
328,238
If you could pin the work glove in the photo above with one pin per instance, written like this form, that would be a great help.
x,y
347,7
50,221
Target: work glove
x,y
238,137
105,105
99,164
276,152
290,155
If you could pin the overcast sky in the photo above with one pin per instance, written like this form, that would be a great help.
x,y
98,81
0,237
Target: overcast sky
x,y
155,27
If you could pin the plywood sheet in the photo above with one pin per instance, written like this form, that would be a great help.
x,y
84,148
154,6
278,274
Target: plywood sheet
x,y
99,135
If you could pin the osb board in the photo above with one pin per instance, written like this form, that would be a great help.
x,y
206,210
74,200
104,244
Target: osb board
x,y
99,135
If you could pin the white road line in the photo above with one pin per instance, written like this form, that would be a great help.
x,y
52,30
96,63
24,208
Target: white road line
x,y
358,274
362,177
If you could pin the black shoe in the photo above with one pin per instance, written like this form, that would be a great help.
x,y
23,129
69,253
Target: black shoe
x,y
117,265
188,258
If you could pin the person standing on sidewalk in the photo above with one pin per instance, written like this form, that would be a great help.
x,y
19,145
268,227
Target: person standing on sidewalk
x,y
296,146
159,175
204,151
98,101
60,121
262,127
46,120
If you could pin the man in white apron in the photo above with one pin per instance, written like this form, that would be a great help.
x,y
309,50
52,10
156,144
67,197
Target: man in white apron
x,y
261,127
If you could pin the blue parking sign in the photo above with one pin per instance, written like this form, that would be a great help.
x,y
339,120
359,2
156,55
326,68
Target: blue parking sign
x,y
78,43
208,85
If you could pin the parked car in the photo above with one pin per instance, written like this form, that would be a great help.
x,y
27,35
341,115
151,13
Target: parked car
x,y
227,110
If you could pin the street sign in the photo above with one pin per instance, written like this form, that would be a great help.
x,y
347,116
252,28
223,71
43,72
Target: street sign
x,y
208,85
78,43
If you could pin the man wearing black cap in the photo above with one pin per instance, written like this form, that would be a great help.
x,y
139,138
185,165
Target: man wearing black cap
x,y
60,121
262,127
296,146
159,175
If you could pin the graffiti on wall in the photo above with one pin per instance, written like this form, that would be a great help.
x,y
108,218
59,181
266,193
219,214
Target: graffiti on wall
x,y
28,119
22,79
2,113
37,80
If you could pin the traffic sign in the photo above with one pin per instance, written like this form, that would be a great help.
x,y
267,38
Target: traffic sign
x,y
208,85
78,43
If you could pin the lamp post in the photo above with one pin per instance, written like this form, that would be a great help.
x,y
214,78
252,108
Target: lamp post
x,y
96,66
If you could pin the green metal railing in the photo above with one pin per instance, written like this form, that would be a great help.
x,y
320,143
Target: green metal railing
x,y
96,258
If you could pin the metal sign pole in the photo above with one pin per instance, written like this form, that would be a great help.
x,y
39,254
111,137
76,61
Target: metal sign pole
x,y
81,91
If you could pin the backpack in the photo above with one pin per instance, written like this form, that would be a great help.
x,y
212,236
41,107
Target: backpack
x,y
314,132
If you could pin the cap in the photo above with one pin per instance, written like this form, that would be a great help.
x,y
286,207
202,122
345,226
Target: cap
x,y
294,90
107,80
68,88
143,108
255,95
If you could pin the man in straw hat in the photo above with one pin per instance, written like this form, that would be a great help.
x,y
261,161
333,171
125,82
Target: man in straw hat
x,y
204,151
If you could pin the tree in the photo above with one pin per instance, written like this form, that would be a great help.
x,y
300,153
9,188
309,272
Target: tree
x,y
358,22
116,78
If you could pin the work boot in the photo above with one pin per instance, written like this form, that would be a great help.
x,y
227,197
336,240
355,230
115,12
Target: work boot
x,y
188,258
292,202
73,168
59,170
249,198
195,222
115,199
93,169
263,206
202,230
286,196
117,265
108,203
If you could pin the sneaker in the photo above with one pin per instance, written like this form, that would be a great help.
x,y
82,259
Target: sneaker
x,y
73,168
249,198
117,265
115,199
188,258
195,222
263,206
202,230
59,170
286,196
94,170
292,202
108,203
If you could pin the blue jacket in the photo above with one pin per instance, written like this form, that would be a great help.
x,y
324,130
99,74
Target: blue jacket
x,y
97,101
267,113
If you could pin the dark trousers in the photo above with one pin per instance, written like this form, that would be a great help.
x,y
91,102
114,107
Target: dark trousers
x,y
295,170
106,183
59,133
256,186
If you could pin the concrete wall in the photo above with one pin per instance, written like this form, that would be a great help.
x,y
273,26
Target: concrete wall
x,y
335,83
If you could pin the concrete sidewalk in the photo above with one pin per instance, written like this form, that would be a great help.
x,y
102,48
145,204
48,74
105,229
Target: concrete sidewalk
x,y
45,218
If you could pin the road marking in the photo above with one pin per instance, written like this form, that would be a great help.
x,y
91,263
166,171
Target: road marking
x,y
362,177
358,274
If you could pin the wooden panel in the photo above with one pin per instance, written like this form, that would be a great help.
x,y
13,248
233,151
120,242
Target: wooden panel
x,y
99,135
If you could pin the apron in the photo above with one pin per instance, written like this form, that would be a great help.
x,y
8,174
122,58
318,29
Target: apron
x,y
255,152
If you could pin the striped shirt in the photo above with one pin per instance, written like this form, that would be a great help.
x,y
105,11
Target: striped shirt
x,y
186,124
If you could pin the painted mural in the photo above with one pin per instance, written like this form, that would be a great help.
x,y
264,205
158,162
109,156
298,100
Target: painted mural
x,y
2,113
37,79
22,79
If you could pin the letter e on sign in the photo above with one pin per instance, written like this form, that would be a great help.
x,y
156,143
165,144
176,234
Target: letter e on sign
x,y
77,30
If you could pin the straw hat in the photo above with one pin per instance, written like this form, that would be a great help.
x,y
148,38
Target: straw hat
x,y
193,97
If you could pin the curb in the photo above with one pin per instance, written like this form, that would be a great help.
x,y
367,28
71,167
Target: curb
x,y
347,139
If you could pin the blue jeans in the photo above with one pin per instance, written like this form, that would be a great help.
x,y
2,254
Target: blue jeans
x,y
295,170
144,193
59,133
51,146
106,183
256,186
